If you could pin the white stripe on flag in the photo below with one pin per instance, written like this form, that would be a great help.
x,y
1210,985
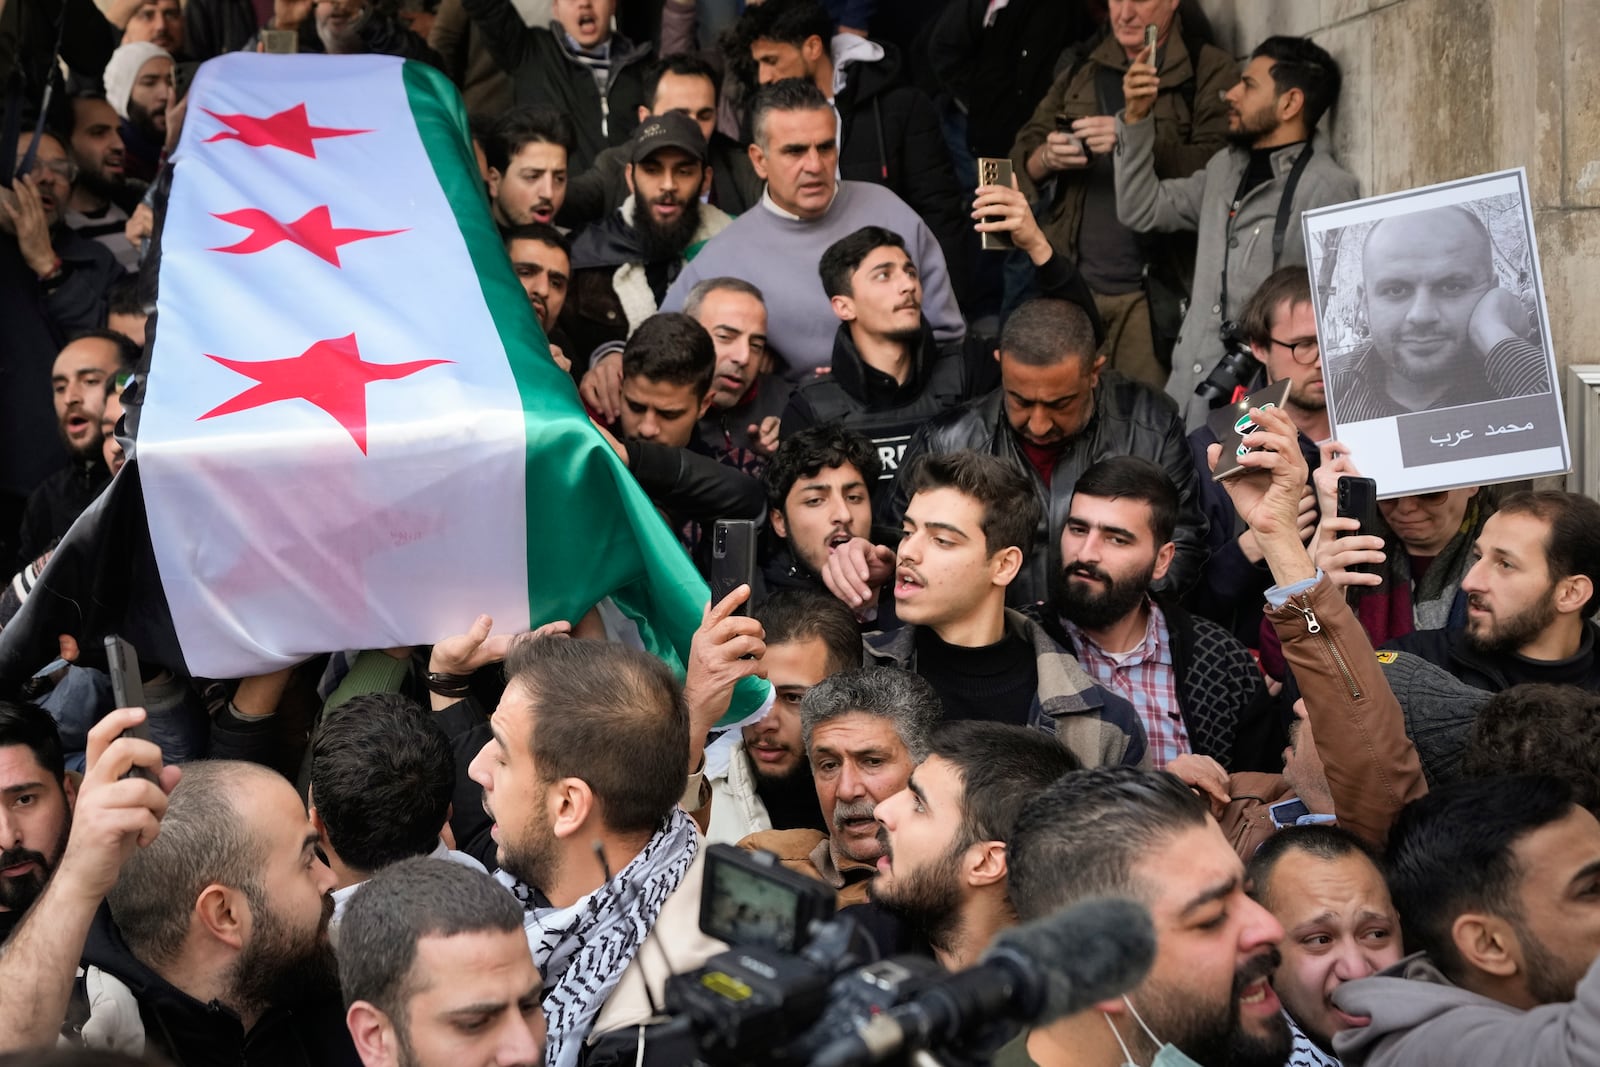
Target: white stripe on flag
x,y
276,537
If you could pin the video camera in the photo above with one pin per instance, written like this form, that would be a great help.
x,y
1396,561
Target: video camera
x,y
1237,368
803,986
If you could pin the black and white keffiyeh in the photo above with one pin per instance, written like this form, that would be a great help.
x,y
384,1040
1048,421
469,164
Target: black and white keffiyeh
x,y
1305,1053
581,950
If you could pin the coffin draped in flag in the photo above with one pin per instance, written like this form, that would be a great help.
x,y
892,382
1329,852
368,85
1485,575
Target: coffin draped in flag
x,y
352,434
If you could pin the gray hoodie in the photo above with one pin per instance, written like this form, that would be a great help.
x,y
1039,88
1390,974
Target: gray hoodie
x,y
1420,1020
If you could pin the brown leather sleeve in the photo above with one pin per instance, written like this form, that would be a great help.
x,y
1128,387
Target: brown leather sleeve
x,y
1247,820
1372,767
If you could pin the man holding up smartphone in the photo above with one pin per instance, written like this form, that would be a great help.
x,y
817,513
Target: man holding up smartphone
x,y
1064,161
1244,204
111,820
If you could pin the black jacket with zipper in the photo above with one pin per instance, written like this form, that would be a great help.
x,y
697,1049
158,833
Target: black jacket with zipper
x,y
889,135
545,74
998,65
1129,419
875,405
188,1033
691,486
692,490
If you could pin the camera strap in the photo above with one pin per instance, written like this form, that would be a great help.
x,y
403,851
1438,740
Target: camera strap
x,y
11,128
16,102
1280,226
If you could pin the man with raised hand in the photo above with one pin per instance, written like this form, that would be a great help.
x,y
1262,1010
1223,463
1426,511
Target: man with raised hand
x,y
115,814
592,837
1272,170
578,65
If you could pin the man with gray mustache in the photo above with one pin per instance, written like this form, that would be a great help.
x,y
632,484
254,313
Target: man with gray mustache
x,y
864,730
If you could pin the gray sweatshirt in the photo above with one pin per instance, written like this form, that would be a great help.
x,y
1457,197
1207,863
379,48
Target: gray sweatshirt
x,y
1201,203
1420,1020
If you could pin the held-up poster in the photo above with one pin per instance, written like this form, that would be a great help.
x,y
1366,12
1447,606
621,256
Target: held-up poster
x,y
1436,354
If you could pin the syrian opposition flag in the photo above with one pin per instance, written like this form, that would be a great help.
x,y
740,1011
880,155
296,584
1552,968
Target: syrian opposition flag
x,y
351,433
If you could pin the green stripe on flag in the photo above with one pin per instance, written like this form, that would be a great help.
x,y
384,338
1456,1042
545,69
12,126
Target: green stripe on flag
x,y
591,531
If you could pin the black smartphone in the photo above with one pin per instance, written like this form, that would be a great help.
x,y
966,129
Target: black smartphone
x,y
127,689
1064,125
1358,499
1288,812
182,78
733,559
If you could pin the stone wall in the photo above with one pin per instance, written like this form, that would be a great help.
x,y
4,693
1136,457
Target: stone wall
x,y
1442,89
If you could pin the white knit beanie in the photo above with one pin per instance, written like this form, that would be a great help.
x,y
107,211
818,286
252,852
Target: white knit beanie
x,y
126,63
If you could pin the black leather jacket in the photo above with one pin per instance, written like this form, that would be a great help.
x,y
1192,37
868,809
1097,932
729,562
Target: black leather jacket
x,y
1129,419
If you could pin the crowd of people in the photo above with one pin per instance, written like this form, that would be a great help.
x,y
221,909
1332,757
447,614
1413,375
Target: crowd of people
x,y
1023,649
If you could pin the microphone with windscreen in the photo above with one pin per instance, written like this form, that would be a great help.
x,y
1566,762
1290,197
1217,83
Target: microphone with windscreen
x,y
1034,974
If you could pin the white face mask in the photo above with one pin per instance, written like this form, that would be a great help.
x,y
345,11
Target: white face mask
x,y
1167,1055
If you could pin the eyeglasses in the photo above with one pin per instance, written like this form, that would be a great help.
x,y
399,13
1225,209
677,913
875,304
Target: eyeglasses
x,y
1305,351
63,168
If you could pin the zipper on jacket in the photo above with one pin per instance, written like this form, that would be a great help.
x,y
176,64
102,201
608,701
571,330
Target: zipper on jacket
x,y
1302,604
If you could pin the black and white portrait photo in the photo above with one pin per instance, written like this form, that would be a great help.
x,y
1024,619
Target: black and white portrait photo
x,y
1435,343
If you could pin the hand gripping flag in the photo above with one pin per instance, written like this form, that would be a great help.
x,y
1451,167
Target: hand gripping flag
x,y
351,433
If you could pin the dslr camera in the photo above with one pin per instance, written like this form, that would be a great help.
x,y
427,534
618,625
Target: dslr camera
x,y
1236,370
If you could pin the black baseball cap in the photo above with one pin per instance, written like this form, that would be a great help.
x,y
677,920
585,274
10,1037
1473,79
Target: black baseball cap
x,y
672,130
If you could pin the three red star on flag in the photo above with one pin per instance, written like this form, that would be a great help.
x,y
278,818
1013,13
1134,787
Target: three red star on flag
x,y
330,374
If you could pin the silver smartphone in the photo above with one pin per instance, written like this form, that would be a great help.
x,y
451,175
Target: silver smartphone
x,y
995,172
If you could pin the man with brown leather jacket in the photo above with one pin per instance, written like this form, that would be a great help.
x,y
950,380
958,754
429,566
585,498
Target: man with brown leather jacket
x,y
1370,766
